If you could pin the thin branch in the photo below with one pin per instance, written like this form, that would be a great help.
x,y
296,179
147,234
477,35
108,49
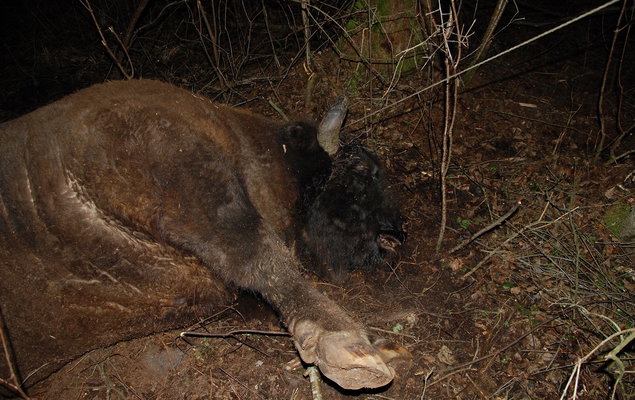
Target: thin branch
x,y
451,101
454,369
488,228
271,41
482,50
215,62
316,382
576,370
622,132
105,44
502,53
605,77
232,334
129,32
16,387
307,32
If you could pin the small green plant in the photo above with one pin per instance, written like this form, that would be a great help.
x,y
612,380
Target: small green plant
x,y
464,223
535,187
204,350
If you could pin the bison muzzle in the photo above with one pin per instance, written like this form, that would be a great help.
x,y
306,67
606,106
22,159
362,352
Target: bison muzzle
x,y
127,207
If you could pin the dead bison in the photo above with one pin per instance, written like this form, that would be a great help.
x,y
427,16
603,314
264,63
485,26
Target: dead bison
x,y
122,205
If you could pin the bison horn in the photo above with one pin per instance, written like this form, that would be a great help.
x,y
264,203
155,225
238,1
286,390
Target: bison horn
x,y
329,130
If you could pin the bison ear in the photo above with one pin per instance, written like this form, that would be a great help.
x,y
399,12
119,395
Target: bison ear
x,y
329,130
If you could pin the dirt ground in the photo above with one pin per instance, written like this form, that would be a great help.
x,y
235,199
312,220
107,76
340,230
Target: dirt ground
x,y
505,317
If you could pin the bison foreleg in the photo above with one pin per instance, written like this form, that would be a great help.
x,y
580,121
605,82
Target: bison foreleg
x,y
323,333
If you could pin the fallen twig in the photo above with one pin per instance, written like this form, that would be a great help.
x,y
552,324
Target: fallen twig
x,y
575,374
488,228
240,383
232,334
462,367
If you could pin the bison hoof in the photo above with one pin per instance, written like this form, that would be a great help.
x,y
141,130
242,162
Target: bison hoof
x,y
348,358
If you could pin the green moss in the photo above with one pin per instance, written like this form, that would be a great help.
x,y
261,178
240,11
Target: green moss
x,y
615,216
384,7
394,28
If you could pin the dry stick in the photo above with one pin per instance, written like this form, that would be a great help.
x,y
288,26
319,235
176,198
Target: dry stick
x,y
16,387
620,107
124,49
514,236
129,31
370,73
212,35
481,52
310,86
444,145
279,110
556,147
445,162
450,113
316,382
518,46
313,77
273,47
488,228
215,45
211,384
425,384
240,383
576,239
103,42
625,154
600,146
307,31
232,334
13,388
461,367
612,355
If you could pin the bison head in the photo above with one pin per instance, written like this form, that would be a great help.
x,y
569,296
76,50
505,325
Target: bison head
x,y
350,214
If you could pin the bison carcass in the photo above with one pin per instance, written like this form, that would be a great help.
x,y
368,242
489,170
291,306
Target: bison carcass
x,y
123,204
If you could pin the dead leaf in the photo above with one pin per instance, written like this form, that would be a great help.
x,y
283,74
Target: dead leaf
x,y
446,356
